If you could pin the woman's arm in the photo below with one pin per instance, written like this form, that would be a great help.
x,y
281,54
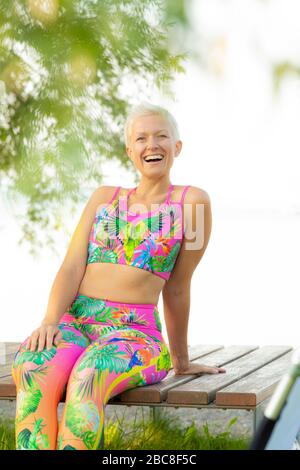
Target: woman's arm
x,y
72,270
176,314
176,292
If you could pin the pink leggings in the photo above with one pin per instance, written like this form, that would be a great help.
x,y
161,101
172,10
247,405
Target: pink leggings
x,y
107,347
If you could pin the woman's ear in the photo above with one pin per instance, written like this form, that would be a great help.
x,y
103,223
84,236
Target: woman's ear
x,y
178,146
128,151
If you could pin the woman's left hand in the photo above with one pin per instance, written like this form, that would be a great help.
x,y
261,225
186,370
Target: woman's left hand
x,y
195,368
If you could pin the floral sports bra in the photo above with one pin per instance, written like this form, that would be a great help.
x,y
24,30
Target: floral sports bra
x,y
149,241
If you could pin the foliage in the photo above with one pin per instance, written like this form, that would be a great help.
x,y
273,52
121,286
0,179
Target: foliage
x,y
165,434
65,66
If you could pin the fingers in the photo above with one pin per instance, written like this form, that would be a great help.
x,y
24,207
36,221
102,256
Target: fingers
x,y
58,337
41,343
50,339
213,370
44,338
33,341
217,370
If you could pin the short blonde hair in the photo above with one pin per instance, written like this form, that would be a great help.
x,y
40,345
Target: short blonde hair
x,y
148,109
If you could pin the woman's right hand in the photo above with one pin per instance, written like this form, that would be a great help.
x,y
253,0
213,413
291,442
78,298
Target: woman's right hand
x,y
46,335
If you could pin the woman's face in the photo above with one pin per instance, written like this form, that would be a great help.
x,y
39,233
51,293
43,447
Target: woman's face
x,y
151,135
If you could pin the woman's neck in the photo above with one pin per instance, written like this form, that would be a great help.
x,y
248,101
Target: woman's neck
x,y
148,190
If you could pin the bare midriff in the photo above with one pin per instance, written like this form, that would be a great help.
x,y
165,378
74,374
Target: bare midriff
x,y
120,283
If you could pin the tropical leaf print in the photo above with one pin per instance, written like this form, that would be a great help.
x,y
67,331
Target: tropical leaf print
x,y
129,315
38,440
143,255
115,225
155,223
134,335
164,360
157,262
171,258
99,359
68,447
34,440
29,377
157,319
102,357
103,255
88,384
83,420
72,338
136,380
91,329
95,330
35,356
155,340
116,240
84,308
27,402
23,439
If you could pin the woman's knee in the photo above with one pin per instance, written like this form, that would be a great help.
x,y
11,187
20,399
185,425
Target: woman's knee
x,y
60,356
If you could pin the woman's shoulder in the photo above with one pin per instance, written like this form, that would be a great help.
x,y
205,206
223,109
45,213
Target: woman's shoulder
x,y
193,193
105,193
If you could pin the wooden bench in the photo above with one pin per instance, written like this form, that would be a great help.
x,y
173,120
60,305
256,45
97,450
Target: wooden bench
x,y
252,373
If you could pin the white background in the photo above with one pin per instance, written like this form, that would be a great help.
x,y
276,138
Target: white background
x,y
240,144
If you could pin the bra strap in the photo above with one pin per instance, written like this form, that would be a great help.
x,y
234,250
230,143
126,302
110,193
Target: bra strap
x,y
115,194
183,193
131,191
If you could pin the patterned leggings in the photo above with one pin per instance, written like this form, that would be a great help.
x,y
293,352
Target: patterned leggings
x,y
107,347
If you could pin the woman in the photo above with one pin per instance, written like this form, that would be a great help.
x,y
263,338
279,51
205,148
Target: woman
x,y
101,333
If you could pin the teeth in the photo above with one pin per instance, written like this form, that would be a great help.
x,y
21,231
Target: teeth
x,y
149,158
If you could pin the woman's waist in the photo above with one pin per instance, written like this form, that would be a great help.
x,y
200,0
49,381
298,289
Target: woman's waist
x,y
93,310
121,283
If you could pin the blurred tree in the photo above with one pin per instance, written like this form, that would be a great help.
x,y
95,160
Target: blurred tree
x,y
64,67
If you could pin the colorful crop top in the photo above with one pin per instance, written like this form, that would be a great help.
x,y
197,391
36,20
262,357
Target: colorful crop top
x,y
149,241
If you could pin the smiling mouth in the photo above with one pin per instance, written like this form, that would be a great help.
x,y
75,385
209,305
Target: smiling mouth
x,y
153,159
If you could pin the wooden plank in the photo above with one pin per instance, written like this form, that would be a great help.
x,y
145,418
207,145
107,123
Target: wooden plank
x,y
8,388
202,390
200,350
5,371
256,387
7,351
159,392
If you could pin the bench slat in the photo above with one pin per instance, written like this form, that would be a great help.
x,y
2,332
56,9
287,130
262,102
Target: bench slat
x,y
157,393
160,390
203,389
7,351
257,386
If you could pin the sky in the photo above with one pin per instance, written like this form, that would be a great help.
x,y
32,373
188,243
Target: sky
x,y
241,145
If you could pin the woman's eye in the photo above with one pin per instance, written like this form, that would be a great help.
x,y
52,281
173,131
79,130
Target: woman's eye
x,y
162,135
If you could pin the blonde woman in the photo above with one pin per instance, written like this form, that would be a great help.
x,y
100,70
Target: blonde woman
x,y
101,334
